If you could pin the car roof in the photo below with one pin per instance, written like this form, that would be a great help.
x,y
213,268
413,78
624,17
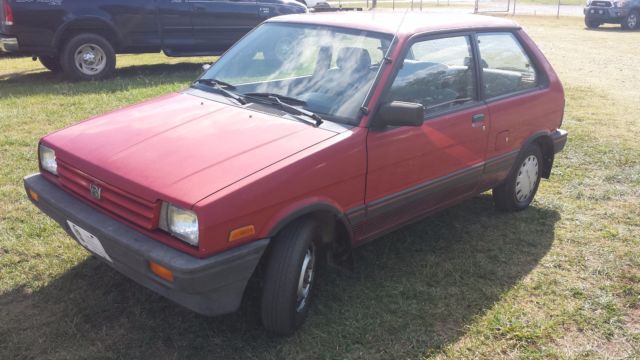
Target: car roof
x,y
388,21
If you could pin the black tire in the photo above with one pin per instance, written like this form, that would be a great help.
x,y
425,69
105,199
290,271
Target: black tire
x,y
98,47
281,309
591,24
632,21
509,196
51,62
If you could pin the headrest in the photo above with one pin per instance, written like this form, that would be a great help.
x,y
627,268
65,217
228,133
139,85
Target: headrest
x,y
353,59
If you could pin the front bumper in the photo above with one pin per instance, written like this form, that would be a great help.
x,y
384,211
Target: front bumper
x,y
611,14
210,286
8,44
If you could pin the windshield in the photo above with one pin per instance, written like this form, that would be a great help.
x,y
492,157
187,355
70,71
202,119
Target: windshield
x,y
329,70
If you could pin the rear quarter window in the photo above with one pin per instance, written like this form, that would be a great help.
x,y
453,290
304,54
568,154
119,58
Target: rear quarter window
x,y
506,67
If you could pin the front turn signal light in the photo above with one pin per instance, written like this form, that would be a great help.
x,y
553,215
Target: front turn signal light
x,y
242,233
34,195
161,271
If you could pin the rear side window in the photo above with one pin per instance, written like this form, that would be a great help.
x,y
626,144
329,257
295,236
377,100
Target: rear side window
x,y
436,73
506,68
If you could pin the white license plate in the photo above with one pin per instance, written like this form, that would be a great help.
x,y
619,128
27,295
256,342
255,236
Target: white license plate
x,y
88,240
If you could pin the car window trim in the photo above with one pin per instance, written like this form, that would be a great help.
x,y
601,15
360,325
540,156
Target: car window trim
x,y
541,76
426,37
383,64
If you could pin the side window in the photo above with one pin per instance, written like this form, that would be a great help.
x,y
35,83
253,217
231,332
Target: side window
x,y
437,74
506,67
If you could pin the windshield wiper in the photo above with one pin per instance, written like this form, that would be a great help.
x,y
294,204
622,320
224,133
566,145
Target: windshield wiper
x,y
220,87
292,110
214,82
281,97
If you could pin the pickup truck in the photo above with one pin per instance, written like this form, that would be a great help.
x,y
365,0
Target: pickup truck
x,y
82,37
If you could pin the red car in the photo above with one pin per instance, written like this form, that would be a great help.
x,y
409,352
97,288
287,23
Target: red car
x,y
313,135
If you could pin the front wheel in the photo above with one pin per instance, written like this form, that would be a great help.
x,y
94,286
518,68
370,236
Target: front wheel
x,y
88,57
290,277
591,24
632,21
517,192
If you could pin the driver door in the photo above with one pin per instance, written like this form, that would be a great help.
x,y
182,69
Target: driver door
x,y
414,170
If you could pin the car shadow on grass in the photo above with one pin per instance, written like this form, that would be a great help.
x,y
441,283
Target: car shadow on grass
x,y
413,291
135,76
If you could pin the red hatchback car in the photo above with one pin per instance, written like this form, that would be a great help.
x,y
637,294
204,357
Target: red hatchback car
x,y
312,135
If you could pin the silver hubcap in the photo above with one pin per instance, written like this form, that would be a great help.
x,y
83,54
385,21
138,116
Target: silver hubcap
x,y
90,59
527,178
305,279
632,20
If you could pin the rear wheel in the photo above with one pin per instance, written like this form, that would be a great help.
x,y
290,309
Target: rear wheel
x,y
591,24
517,192
632,21
290,277
88,57
51,62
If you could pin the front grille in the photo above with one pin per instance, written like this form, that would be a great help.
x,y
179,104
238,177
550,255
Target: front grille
x,y
129,207
601,3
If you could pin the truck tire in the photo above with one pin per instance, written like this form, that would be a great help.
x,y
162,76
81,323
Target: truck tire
x,y
88,57
289,279
518,191
591,24
51,62
632,21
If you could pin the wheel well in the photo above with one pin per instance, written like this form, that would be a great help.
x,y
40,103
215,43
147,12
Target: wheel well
x,y
335,238
92,26
546,146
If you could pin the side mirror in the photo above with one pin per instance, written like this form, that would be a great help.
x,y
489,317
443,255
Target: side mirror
x,y
398,113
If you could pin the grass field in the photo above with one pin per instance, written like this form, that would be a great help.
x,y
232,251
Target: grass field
x,y
559,280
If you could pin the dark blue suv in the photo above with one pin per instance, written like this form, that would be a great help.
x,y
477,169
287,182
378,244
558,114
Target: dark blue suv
x,y
81,37
623,12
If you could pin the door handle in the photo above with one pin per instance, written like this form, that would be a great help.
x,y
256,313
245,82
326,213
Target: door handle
x,y
477,118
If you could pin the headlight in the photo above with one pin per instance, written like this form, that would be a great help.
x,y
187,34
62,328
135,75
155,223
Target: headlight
x,y
620,4
48,159
181,223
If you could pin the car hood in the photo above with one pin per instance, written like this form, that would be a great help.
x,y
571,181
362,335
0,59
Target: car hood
x,y
180,147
